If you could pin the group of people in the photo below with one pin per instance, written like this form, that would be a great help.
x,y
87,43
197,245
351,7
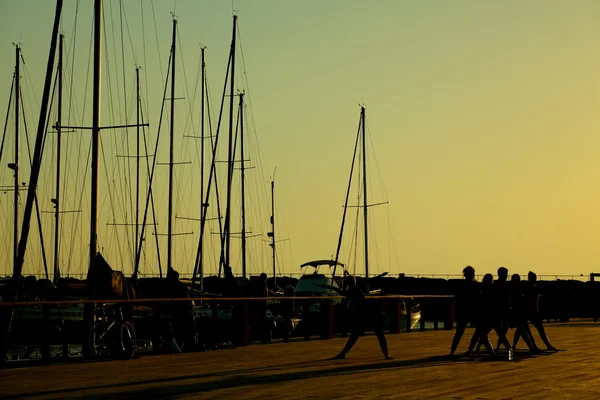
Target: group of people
x,y
499,305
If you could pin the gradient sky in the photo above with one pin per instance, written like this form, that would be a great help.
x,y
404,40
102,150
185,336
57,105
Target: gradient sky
x,y
482,117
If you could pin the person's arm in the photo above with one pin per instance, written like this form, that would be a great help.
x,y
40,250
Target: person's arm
x,y
338,290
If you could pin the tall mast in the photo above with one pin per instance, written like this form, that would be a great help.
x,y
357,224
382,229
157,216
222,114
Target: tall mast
x,y
231,147
272,233
200,256
58,140
37,151
95,126
243,185
364,157
16,163
170,212
137,172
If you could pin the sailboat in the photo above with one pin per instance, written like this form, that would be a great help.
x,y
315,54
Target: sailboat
x,y
308,285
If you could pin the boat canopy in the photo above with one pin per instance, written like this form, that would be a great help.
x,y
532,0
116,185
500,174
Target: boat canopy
x,y
318,263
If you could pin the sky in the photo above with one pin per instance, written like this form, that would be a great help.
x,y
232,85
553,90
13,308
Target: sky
x,y
481,124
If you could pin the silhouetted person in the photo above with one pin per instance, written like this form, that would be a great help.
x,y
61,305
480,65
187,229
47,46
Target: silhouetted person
x,y
533,295
365,312
466,298
502,307
484,316
519,313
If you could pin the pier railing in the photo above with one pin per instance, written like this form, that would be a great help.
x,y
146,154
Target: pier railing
x,y
206,321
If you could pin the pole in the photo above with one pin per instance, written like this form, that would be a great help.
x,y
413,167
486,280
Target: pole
x,y
227,229
56,274
273,229
244,265
136,262
95,127
364,151
16,163
170,212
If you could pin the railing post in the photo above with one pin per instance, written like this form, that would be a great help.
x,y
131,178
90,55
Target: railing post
x,y
449,320
244,324
328,325
306,321
395,313
45,332
425,310
408,313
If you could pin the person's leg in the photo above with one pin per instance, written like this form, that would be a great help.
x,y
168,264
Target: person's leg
x,y
501,331
349,344
539,325
480,337
382,343
460,330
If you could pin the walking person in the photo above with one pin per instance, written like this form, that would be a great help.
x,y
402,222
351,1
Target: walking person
x,y
466,298
364,313
533,297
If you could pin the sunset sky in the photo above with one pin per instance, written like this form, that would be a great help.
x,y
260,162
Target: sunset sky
x,y
482,117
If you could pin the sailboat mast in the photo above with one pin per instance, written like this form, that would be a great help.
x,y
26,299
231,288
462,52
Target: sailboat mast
x,y
231,147
137,172
243,185
364,157
37,151
272,233
96,126
16,163
170,229
200,261
58,140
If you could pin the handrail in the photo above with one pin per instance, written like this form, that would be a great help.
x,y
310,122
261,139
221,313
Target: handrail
x,y
156,300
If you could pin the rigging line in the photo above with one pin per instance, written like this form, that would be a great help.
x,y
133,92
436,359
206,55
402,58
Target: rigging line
x,y
213,141
156,36
339,244
212,173
37,208
391,240
260,155
112,117
135,61
79,175
149,197
189,119
120,200
149,186
12,86
129,192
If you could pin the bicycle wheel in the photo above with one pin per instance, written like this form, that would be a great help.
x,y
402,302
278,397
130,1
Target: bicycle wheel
x,y
97,339
127,337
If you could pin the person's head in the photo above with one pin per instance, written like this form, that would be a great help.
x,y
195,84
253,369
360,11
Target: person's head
x,y
502,274
531,276
469,273
263,276
488,279
349,281
515,278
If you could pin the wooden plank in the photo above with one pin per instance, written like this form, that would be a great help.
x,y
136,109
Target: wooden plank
x,y
301,369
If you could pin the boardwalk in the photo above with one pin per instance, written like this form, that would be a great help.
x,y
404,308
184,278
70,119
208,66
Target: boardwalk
x,y
300,370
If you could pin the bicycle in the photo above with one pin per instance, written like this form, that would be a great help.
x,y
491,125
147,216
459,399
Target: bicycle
x,y
111,334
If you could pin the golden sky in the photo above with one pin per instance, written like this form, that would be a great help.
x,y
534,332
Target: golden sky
x,y
481,116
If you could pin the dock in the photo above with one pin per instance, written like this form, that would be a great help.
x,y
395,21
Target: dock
x,y
302,369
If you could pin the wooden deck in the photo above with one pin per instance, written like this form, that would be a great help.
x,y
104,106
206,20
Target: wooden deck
x,y
301,370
